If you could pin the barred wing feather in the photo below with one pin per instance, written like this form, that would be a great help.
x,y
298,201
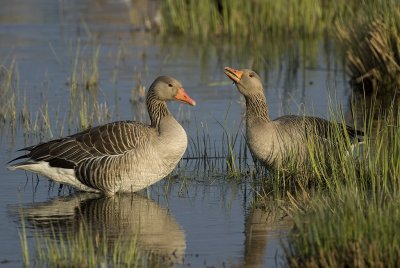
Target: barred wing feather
x,y
103,141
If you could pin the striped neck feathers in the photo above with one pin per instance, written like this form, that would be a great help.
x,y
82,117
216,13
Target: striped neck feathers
x,y
157,109
256,107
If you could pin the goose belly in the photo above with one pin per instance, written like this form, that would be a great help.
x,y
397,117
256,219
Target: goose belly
x,y
146,173
130,172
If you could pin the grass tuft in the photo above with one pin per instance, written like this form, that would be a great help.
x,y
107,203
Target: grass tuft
x,y
373,54
350,218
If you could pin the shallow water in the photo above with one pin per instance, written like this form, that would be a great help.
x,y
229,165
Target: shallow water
x,y
205,220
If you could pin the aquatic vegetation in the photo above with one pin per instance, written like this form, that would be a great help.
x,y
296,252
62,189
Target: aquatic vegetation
x,y
9,79
346,229
85,109
84,68
38,123
249,19
371,39
83,248
350,218
14,109
373,54
227,156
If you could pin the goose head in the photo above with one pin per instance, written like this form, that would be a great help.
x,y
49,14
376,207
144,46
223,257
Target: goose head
x,y
166,88
247,81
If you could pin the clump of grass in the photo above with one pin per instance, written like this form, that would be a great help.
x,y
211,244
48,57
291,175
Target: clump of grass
x,y
85,109
373,54
14,108
84,69
350,218
9,86
138,93
228,156
347,229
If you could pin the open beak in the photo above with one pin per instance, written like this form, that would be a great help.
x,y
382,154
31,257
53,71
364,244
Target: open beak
x,y
233,74
184,97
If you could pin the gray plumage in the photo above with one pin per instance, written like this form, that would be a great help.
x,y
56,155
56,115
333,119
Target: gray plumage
x,y
122,156
274,142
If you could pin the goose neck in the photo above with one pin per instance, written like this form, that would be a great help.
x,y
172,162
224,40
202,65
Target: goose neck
x,y
256,107
157,110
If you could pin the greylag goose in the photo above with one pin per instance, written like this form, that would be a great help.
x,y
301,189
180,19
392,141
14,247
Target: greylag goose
x,y
275,142
121,156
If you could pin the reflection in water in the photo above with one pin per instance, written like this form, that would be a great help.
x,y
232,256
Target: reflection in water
x,y
261,227
256,232
126,216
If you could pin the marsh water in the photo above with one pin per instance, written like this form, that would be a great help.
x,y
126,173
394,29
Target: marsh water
x,y
195,217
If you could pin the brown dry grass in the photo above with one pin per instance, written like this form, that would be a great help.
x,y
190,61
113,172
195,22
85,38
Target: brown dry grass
x,y
373,55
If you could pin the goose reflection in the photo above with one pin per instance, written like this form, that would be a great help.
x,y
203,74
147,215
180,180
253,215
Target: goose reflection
x,y
263,232
129,216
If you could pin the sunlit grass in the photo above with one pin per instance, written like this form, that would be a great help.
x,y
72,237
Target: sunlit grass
x,y
348,217
373,54
249,19
85,109
226,155
350,228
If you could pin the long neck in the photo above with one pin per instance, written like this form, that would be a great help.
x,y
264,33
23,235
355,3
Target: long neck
x,y
157,109
256,108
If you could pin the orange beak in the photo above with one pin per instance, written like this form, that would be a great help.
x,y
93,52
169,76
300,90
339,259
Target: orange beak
x,y
233,74
184,97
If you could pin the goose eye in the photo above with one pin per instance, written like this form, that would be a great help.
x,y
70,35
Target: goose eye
x,y
170,85
251,74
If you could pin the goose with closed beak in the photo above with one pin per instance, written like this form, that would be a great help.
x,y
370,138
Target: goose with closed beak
x,y
276,142
123,156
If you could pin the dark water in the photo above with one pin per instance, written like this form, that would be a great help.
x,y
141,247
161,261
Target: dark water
x,y
205,220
